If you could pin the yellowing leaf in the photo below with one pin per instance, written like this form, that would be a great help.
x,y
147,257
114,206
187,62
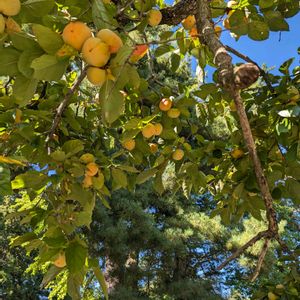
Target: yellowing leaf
x,y
11,161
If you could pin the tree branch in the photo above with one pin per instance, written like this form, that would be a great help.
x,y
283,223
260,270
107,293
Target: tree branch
x,y
61,108
239,251
248,59
261,259
228,81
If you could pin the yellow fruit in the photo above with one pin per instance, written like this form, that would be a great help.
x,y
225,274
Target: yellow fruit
x,y
75,34
165,104
158,128
96,76
280,286
18,116
226,23
154,17
148,131
218,30
91,169
10,7
2,24
178,154
87,182
153,147
189,22
60,261
87,158
272,296
106,1
173,113
12,26
111,39
129,144
194,33
95,52
237,153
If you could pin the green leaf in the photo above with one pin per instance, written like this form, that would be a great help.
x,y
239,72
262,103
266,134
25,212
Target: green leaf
x,y
36,9
49,40
145,175
284,68
100,277
72,147
22,239
276,21
74,283
161,50
266,3
24,89
9,58
47,67
25,60
102,17
293,189
111,101
75,256
78,193
52,272
119,178
175,62
258,30
238,23
5,185
23,41
30,179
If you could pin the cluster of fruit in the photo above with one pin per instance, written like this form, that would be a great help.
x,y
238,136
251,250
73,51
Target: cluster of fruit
x,y
93,175
151,130
9,8
189,23
96,50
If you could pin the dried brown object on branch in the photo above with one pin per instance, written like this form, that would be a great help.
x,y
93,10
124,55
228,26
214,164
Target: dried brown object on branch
x,y
245,75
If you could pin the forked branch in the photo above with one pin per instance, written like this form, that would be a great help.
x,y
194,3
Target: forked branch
x,y
227,80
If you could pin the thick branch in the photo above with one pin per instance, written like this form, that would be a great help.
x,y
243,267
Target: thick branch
x,y
175,14
248,59
238,252
61,108
228,81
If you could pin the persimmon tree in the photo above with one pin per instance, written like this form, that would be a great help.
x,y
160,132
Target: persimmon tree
x,y
82,113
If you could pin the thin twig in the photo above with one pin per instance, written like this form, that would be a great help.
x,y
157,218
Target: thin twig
x,y
248,59
261,258
62,106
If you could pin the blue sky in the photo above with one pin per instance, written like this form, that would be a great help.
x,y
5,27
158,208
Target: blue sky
x,y
272,52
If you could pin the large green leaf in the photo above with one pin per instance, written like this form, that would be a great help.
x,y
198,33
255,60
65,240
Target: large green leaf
x,y
258,30
72,147
34,10
119,178
145,175
47,67
24,89
49,40
25,60
100,277
276,21
112,102
76,255
9,58
102,16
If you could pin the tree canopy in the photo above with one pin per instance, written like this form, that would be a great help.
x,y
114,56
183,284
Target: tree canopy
x,y
118,163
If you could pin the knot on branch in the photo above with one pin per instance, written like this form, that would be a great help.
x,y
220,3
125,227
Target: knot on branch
x,y
245,75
